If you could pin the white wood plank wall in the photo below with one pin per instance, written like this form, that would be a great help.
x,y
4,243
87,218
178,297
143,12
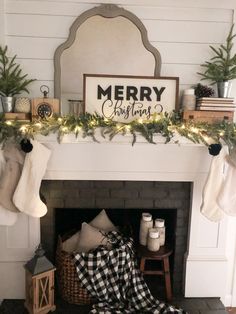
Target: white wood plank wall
x,y
181,30
2,22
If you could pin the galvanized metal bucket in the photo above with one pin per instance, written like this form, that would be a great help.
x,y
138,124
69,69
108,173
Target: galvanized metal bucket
x,y
7,104
224,89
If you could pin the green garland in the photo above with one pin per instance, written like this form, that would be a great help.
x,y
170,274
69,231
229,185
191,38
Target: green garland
x,y
165,124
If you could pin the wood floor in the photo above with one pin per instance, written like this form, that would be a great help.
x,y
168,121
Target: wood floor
x,y
231,310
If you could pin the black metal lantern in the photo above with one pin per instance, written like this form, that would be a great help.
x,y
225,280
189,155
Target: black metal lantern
x,y
39,284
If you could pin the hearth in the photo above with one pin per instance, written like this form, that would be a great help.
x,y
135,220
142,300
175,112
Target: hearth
x,y
72,202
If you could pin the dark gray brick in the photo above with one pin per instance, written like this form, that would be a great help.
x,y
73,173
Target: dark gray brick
x,y
73,184
193,304
180,240
80,203
138,203
182,222
153,194
213,312
178,277
121,193
109,203
169,184
55,203
48,234
44,188
178,193
178,267
181,213
214,304
181,231
167,203
102,193
109,184
177,288
87,193
46,220
62,193
139,185
180,250
53,184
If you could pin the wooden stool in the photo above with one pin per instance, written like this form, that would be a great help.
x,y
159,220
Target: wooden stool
x,y
161,255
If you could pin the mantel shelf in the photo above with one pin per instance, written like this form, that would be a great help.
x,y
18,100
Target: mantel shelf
x,y
118,139
83,159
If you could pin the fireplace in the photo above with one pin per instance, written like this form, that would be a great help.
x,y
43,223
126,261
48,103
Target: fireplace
x,y
92,168
124,201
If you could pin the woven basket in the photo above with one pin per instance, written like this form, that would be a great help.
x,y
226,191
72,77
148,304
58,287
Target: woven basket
x,y
67,277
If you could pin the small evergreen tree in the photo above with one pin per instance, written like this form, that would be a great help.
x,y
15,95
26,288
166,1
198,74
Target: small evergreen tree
x,y
222,66
12,81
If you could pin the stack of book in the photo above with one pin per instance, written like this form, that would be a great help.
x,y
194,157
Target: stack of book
x,y
216,104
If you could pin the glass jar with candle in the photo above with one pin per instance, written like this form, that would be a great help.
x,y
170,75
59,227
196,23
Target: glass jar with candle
x,y
75,107
145,224
189,99
153,242
160,225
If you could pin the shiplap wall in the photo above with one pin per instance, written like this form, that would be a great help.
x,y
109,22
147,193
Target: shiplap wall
x,y
180,30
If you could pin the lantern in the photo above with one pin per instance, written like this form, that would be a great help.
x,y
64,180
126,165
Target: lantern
x,y
39,284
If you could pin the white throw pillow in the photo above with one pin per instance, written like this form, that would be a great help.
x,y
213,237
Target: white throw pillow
x,y
102,222
70,245
90,238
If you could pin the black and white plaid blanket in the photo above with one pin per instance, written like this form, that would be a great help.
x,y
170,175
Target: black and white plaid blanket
x,y
113,278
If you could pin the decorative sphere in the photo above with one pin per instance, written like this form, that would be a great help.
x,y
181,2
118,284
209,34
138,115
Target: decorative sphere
x,y
22,104
214,149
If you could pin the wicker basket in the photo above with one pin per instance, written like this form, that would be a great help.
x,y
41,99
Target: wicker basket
x,y
67,277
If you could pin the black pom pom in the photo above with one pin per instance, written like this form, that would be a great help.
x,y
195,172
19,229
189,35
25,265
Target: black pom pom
x,y
26,146
214,149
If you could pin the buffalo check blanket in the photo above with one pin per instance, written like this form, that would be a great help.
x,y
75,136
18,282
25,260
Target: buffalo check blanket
x,y
112,277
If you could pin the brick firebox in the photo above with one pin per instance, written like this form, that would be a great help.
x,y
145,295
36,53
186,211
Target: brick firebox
x,y
124,195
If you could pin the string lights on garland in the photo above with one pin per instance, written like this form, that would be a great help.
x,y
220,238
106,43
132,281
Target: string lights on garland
x,y
164,124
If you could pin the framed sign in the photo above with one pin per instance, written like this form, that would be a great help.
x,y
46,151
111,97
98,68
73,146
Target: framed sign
x,y
126,98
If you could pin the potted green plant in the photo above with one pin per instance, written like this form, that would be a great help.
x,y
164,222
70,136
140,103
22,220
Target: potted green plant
x,y
221,68
12,81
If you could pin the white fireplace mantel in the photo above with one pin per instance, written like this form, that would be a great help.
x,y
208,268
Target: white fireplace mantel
x,y
210,256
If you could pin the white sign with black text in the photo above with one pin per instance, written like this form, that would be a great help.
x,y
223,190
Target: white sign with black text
x,y
126,98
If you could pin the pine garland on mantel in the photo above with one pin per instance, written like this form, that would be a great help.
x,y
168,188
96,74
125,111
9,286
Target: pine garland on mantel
x,y
165,124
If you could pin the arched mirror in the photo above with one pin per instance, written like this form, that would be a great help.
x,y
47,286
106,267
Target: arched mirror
x,y
104,40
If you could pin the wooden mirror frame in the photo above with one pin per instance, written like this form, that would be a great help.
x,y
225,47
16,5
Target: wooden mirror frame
x,y
107,11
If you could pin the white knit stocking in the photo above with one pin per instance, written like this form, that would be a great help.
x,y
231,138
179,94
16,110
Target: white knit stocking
x,y
11,174
227,195
210,207
26,196
7,218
